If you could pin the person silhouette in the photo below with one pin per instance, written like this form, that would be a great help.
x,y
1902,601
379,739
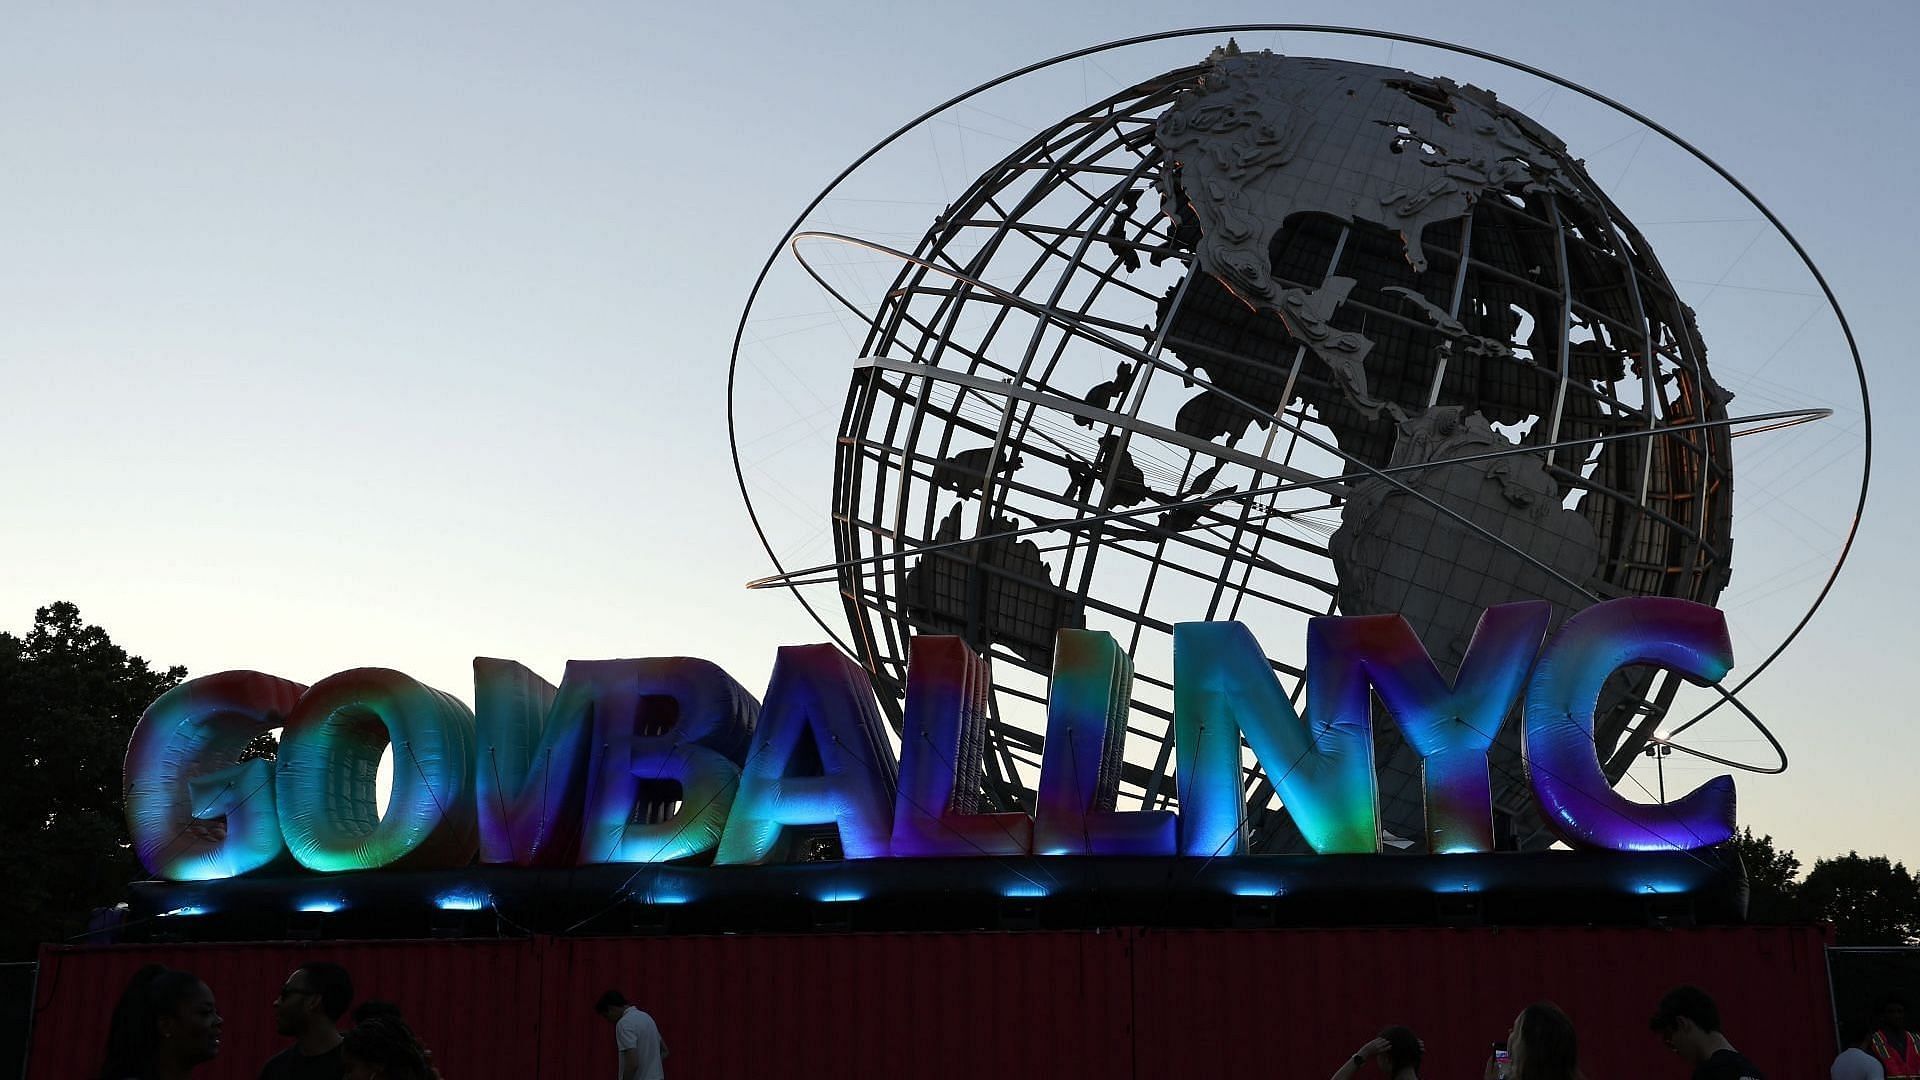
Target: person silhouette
x,y
1688,1021
164,1026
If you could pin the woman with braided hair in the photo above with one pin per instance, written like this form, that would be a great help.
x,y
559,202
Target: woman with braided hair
x,y
164,1027
385,1048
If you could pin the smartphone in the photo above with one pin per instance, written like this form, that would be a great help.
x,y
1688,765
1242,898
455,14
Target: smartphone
x,y
1502,1061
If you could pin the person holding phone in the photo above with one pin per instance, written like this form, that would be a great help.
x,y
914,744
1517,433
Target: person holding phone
x,y
1541,1046
1396,1049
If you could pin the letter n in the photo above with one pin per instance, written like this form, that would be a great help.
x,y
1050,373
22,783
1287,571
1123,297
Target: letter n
x,y
1223,686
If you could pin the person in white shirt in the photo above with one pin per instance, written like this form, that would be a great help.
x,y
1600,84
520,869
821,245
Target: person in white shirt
x,y
635,1036
1856,1062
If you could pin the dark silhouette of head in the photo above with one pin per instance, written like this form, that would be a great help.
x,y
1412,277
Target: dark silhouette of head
x,y
1403,1049
384,1048
611,1005
1686,1003
316,994
1891,1011
163,1017
1686,1020
1543,1044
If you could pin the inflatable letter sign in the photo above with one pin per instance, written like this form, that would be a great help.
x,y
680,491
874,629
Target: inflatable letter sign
x,y
671,760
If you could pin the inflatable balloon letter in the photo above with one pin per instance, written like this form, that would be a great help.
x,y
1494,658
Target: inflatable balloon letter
x,y
1323,768
819,706
196,812
530,777
1575,798
941,746
1451,727
330,750
1080,768
666,731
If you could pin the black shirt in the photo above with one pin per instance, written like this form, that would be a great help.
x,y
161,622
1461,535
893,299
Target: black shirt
x,y
291,1064
1728,1065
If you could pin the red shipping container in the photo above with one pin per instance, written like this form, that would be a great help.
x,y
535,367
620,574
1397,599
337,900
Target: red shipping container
x,y
1117,1003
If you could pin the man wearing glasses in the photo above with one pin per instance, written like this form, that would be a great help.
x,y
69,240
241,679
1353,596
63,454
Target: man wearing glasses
x,y
308,1011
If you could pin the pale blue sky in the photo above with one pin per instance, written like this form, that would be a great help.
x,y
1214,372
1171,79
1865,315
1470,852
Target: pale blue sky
x,y
335,335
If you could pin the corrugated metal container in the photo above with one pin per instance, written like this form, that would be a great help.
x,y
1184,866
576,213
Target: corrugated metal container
x,y
475,1003
1125,1003
1295,1003
964,1005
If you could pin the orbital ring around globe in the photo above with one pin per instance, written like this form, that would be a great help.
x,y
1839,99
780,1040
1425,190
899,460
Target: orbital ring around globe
x,y
1772,421
1557,211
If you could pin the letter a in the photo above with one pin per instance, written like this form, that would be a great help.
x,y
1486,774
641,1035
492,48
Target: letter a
x,y
815,692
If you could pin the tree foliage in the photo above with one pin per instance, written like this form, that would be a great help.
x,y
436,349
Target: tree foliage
x,y
1768,867
70,698
1869,900
1772,885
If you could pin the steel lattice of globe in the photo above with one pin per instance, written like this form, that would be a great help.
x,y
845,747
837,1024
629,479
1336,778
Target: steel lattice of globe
x,y
1321,296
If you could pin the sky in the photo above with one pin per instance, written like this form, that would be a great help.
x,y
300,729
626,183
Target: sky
x,y
396,335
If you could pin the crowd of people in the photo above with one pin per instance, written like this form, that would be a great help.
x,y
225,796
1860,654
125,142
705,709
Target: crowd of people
x,y
1543,1045
166,1025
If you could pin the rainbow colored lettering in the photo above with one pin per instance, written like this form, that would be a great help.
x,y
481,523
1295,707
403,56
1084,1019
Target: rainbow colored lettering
x,y
671,760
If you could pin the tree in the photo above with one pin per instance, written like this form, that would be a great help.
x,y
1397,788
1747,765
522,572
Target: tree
x,y
70,698
1768,867
1870,901
1772,891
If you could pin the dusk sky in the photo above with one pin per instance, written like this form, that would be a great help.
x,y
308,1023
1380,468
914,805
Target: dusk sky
x,y
344,335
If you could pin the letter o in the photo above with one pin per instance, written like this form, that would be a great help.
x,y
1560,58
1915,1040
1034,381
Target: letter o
x,y
330,752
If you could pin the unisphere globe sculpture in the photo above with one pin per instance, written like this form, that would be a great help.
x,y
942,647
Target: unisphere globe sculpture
x,y
1244,341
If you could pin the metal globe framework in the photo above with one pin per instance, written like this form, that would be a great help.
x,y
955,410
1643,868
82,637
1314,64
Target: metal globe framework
x,y
1268,338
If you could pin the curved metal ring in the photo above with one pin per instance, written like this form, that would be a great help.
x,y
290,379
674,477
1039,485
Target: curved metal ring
x,y
1833,302
1771,421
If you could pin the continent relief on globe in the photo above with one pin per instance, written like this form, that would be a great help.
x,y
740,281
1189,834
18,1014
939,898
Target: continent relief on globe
x,y
1263,137
1378,269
